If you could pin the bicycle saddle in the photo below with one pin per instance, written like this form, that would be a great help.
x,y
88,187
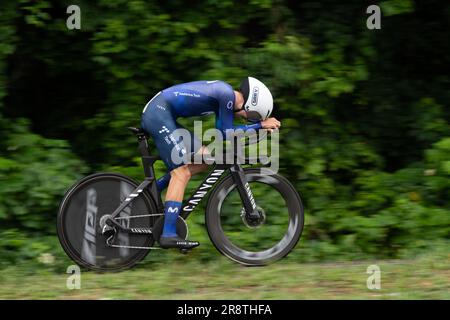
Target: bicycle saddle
x,y
139,132
136,130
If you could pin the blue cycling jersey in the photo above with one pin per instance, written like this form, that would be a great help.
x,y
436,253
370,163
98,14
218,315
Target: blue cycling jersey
x,y
188,100
205,97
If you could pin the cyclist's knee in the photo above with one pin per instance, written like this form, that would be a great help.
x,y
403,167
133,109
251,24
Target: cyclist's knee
x,y
182,174
197,168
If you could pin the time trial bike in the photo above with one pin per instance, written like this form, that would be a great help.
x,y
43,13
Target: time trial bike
x,y
109,222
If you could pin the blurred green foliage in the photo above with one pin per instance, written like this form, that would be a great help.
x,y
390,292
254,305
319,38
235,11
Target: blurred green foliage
x,y
365,136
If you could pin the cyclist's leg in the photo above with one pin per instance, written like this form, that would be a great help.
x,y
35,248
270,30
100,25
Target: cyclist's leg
x,y
163,182
179,178
174,196
194,169
158,121
197,168
196,148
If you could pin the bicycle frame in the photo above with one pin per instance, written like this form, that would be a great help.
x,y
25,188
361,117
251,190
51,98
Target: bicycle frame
x,y
201,192
209,182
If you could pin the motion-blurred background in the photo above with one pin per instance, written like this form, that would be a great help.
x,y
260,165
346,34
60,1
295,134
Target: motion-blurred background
x,y
365,113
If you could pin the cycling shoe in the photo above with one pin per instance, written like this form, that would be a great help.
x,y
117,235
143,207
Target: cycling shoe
x,y
177,242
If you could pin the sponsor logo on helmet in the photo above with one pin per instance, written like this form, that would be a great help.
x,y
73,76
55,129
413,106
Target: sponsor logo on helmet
x,y
255,95
230,105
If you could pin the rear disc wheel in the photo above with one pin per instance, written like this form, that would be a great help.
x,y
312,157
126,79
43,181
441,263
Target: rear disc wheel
x,y
79,227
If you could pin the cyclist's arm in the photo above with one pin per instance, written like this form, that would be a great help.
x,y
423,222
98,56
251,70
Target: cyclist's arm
x,y
225,116
245,127
224,122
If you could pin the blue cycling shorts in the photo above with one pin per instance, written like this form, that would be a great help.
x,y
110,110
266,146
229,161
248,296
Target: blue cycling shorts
x,y
158,122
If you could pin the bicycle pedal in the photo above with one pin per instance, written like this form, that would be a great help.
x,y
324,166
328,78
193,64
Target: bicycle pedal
x,y
185,251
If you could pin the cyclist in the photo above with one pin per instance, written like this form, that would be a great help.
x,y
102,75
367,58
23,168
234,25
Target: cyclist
x,y
253,101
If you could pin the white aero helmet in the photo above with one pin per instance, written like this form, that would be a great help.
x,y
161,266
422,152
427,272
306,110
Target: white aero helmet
x,y
258,101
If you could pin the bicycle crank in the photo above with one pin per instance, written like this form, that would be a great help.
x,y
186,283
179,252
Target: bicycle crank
x,y
107,222
110,239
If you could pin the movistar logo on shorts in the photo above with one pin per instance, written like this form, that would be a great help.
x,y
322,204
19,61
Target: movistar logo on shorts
x,y
186,94
255,95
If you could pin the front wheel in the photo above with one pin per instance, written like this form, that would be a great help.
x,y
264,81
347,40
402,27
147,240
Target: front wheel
x,y
267,240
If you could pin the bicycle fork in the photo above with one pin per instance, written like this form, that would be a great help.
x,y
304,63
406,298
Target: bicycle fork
x,y
245,193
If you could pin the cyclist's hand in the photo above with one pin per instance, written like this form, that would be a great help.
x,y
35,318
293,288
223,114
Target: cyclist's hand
x,y
270,124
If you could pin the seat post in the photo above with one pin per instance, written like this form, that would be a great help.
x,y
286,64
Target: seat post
x,y
147,160
149,171
143,145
